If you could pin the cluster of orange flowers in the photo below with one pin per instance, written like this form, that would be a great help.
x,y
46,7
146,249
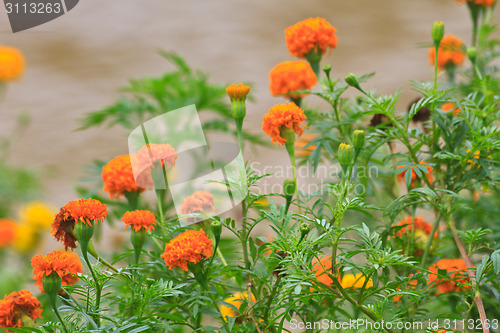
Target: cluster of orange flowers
x,y
313,34
64,264
283,115
189,247
414,176
291,76
451,52
17,306
139,219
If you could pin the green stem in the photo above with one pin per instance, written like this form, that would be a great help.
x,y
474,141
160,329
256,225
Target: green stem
x,y
239,132
244,235
84,248
91,249
271,297
52,299
431,239
436,49
290,148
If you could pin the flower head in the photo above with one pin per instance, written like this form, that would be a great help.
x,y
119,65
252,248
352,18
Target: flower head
x,y
422,231
85,211
63,228
451,52
118,177
280,116
200,202
414,176
235,300
237,91
139,219
17,305
355,281
7,232
482,3
457,279
322,269
65,264
313,34
291,76
153,152
189,247
37,214
450,106
27,238
11,63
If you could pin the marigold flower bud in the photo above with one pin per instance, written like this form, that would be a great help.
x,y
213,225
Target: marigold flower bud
x,y
352,80
437,32
288,134
345,155
83,232
358,139
289,186
472,54
217,230
238,94
52,283
137,238
304,229
327,69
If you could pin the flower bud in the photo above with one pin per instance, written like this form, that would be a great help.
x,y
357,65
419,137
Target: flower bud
x,y
217,230
472,54
305,228
289,186
358,139
137,238
288,134
345,155
327,69
52,283
352,80
437,32
238,94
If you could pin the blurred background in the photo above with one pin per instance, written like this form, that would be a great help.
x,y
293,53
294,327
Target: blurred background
x,y
76,63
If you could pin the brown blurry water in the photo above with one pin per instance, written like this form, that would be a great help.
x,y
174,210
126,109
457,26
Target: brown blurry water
x,y
76,63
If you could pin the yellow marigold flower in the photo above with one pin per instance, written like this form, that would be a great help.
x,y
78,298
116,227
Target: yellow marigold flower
x,y
118,177
86,211
236,300
355,281
237,91
139,219
65,264
189,247
291,76
27,238
7,232
280,116
19,306
37,214
11,63
313,34
451,52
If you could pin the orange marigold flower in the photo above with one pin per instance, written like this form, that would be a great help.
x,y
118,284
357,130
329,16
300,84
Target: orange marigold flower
x,y
482,3
11,63
322,269
140,219
65,264
283,115
118,177
86,211
7,232
304,140
414,177
189,247
450,52
237,91
450,106
153,152
422,231
291,76
236,300
17,305
457,279
313,34
200,202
